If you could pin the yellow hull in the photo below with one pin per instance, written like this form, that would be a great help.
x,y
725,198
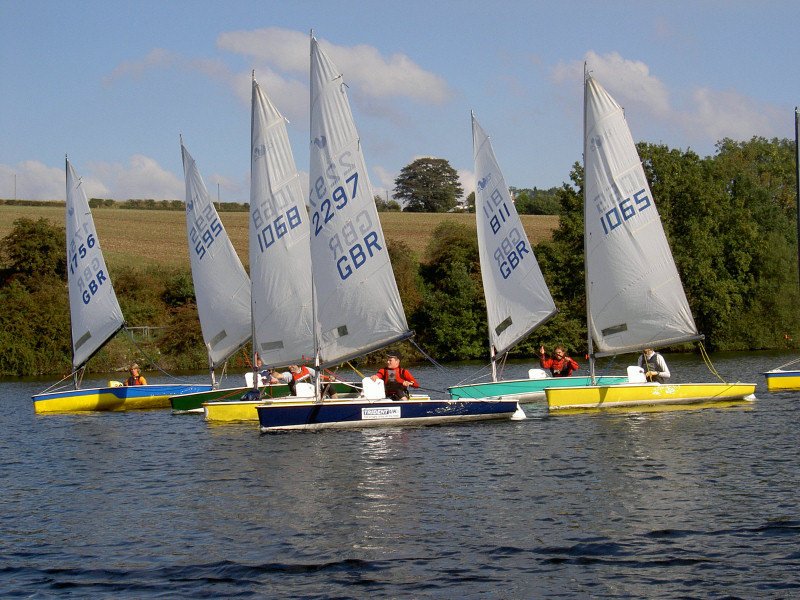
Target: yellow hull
x,y
239,410
646,394
782,380
117,398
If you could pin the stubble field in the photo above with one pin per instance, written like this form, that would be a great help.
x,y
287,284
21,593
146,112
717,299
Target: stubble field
x,y
141,238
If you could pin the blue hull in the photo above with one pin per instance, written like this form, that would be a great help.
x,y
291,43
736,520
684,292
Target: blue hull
x,y
382,413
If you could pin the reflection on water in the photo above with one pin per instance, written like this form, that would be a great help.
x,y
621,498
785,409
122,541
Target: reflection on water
x,y
694,502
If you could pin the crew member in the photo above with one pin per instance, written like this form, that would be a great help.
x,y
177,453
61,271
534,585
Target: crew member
x,y
396,380
560,364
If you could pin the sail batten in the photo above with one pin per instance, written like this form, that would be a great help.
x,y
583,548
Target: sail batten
x,y
631,276
353,279
280,258
95,314
517,299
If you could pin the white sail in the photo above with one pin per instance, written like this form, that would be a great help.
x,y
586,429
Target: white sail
x,y
358,306
634,293
94,312
221,285
280,257
517,298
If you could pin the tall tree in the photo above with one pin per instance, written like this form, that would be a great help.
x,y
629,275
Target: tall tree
x,y
428,185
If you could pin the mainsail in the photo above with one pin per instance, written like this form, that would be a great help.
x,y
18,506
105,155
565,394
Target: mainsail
x,y
634,294
357,304
517,298
95,314
280,257
221,285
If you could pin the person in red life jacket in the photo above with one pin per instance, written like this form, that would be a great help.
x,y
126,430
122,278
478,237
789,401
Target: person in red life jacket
x,y
396,380
136,377
560,364
295,374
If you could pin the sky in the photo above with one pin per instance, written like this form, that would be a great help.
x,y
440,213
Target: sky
x,y
113,84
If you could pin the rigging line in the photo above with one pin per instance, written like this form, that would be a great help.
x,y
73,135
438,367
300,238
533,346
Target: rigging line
x,y
474,377
790,363
425,354
152,362
707,360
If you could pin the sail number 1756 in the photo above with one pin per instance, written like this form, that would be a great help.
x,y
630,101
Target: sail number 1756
x,y
623,211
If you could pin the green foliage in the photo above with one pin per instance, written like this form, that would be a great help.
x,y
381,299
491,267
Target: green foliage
x,y
179,290
536,201
451,321
428,185
35,249
386,205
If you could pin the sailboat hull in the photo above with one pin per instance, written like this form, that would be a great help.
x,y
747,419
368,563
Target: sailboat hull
x,y
526,390
382,413
121,398
634,394
782,380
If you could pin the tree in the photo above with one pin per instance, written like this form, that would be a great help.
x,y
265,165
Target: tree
x,y
386,205
36,249
428,185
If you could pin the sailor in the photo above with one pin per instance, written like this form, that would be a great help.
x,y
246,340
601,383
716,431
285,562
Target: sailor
x,y
396,380
560,364
654,366
136,377
295,374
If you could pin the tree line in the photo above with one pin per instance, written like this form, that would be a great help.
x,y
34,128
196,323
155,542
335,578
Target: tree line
x,y
730,220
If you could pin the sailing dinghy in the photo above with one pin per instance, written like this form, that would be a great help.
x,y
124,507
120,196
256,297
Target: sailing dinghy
x,y
221,286
634,296
280,263
95,318
517,299
356,304
780,378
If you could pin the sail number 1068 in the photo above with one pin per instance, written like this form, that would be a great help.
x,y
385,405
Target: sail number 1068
x,y
623,211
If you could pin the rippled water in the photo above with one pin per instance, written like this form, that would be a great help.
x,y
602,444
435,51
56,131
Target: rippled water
x,y
699,503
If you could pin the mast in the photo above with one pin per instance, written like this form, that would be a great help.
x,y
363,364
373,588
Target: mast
x,y
797,177
590,345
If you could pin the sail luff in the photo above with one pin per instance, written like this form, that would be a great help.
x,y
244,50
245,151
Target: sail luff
x,y
222,287
635,298
95,314
797,180
280,257
517,298
358,305
589,327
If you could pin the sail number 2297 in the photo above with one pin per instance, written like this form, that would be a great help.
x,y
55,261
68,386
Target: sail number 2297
x,y
624,210
337,201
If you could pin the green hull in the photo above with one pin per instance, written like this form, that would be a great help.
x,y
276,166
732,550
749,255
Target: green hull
x,y
194,402
527,390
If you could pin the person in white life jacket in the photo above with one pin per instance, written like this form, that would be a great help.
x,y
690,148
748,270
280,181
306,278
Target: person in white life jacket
x,y
396,380
654,366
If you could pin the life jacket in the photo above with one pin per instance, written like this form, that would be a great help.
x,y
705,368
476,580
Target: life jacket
x,y
393,382
651,364
302,375
134,381
560,368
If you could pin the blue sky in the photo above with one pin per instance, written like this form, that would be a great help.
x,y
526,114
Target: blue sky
x,y
113,83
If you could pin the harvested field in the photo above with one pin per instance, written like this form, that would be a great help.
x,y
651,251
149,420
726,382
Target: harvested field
x,y
144,237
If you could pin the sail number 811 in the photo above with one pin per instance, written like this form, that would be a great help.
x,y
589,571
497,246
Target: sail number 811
x,y
624,211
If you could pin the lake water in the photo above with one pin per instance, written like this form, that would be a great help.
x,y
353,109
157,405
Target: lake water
x,y
692,503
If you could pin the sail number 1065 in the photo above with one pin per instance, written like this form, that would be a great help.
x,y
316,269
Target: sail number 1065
x,y
623,211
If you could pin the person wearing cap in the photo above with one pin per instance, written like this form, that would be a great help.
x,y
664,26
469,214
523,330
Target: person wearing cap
x,y
396,380
654,366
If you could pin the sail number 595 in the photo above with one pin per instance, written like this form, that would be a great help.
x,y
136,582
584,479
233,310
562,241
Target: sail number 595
x,y
623,211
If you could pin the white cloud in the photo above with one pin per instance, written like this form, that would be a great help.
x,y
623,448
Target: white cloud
x,y
705,117
142,178
364,66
